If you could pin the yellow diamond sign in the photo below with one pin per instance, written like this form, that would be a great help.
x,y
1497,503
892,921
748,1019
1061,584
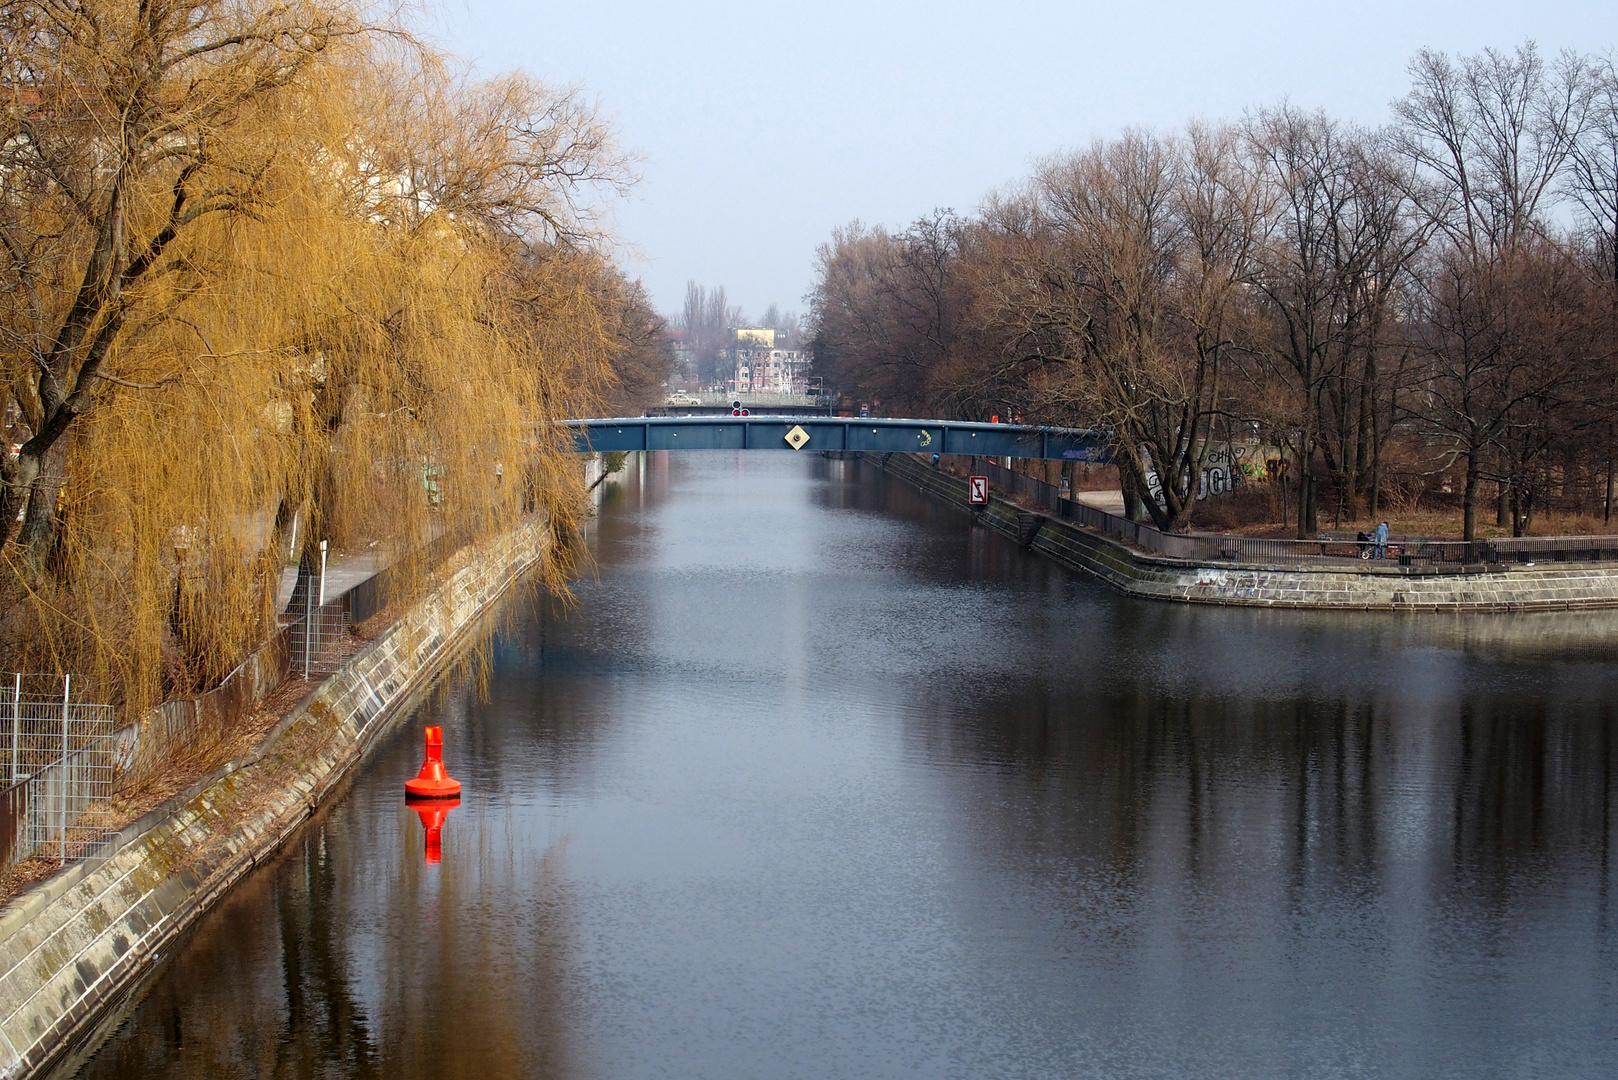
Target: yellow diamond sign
x,y
797,437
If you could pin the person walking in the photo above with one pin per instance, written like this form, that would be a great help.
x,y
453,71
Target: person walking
x,y
1381,541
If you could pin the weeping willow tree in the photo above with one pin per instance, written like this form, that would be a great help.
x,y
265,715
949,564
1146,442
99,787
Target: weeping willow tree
x,y
268,266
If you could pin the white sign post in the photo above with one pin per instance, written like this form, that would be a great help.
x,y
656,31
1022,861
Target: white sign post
x,y
977,490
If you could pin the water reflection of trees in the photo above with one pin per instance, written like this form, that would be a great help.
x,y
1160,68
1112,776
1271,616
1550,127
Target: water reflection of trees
x,y
1135,785
494,956
334,967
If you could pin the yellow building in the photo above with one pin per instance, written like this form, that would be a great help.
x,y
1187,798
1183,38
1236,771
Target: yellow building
x,y
755,336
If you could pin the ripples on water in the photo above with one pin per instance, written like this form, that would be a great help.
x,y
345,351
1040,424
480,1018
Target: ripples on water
x,y
817,780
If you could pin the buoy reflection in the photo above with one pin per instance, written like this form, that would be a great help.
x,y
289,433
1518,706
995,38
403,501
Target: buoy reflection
x,y
432,813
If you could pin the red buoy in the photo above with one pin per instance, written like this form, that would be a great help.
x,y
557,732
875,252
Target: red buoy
x,y
433,782
432,813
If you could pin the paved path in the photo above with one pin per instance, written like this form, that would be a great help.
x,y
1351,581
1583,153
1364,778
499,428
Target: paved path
x,y
1110,501
343,572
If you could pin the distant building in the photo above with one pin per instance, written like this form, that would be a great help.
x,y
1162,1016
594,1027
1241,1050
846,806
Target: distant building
x,y
757,361
764,370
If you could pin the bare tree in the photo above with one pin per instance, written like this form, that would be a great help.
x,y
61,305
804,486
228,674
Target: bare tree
x,y
641,363
890,311
1593,179
1134,311
1337,242
1373,287
1593,184
1511,346
1490,137
708,319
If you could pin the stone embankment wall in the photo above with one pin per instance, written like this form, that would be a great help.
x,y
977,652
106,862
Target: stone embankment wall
x,y
73,945
1368,587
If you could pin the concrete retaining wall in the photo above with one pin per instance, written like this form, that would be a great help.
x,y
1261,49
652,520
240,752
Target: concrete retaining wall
x,y
1388,588
73,945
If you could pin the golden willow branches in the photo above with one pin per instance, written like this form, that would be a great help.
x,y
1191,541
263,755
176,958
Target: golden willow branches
x,y
268,267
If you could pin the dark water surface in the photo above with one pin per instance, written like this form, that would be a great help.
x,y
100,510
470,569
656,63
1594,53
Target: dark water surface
x,y
817,780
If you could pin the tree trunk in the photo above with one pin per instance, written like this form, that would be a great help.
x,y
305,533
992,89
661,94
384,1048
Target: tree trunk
x,y
39,524
1376,466
1309,440
1612,491
308,583
1365,430
282,536
1308,511
18,476
1469,528
1128,484
1522,510
1612,479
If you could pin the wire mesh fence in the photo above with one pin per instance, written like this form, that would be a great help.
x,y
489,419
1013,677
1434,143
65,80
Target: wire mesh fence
x,y
59,751
318,641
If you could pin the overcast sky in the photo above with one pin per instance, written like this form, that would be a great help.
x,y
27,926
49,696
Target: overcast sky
x,y
763,126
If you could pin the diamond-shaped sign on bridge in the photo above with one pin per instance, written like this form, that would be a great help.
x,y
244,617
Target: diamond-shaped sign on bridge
x,y
797,437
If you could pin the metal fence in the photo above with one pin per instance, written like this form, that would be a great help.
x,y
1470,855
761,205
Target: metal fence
x,y
59,752
318,641
1327,550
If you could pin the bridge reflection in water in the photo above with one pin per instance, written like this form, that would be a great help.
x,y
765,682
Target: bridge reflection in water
x,y
816,779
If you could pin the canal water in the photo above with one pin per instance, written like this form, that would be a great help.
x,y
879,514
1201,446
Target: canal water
x,y
816,779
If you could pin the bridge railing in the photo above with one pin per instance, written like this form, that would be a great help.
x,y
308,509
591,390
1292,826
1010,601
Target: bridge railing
x,y
1326,550
846,434
749,399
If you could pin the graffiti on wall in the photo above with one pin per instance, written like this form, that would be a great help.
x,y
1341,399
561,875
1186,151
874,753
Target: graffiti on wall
x,y
1230,465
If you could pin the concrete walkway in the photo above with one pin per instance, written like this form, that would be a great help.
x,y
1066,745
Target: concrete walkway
x,y
1110,501
343,572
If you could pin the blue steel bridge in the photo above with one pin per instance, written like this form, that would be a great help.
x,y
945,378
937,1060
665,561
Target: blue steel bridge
x,y
839,433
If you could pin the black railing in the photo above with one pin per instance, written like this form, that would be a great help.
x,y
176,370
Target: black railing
x,y
1327,550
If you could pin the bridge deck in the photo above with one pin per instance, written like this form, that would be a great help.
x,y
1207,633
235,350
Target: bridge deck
x,y
839,433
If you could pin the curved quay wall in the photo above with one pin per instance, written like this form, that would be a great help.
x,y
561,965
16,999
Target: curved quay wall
x,y
1372,588
73,946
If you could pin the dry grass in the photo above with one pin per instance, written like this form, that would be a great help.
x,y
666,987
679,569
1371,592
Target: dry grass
x,y
20,875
